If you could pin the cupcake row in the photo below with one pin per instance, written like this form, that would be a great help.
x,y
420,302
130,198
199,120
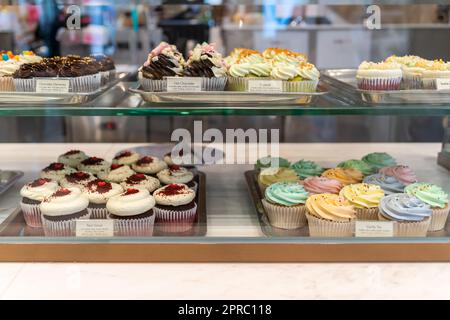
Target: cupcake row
x,y
135,191
406,72
329,201
231,73
85,74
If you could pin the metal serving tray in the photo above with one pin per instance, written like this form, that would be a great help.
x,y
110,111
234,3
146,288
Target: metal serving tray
x,y
8,179
71,98
345,82
225,97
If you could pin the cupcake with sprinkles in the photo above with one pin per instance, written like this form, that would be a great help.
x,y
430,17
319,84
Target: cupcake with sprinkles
x,y
117,173
149,165
126,157
99,192
94,165
365,198
77,179
141,181
56,171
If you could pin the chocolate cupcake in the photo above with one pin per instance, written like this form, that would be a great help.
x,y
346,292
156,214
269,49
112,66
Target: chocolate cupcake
x,y
77,179
132,212
107,67
56,171
94,165
72,158
177,174
99,192
149,165
126,157
117,173
141,181
61,210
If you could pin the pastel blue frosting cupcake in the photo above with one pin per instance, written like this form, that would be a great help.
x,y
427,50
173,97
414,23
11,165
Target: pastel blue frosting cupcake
x,y
389,184
404,207
286,194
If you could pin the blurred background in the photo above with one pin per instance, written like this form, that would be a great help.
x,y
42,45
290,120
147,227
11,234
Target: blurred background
x,y
333,36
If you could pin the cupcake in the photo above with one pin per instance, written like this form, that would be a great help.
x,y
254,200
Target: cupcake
x,y
390,185
379,76
305,169
205,62
56,171
411,215
267,162
133,213
99,192
318,185
177,174
436,198
8,66
269,176
61,210
149,165
163,61
126,157
378,160
107,67
181,159
284,203
362,166
412,70
32,196
365,198
141,181
117,173
72,158
435,70
345,176
77,179
404,174
301,77
175,208
330,215
94,165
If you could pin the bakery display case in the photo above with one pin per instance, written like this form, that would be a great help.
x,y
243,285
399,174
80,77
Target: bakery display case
x,y
255,143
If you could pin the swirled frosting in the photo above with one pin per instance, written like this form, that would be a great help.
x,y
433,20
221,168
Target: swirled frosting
x,y
205,61
99,191
283,71
317,185
345,176
126,157
141,181
359,165
8,68
64,201
330,207
175,194
362,195
132,202
260,69
239,70
379,160
149,165
429,193
286,193
389,184
404,174
117,173
175,174
305,169
39,189
272,175
267,162
72,158
56,171
163,61
404,207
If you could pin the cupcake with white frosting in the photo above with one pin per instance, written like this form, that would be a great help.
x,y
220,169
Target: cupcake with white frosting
x,y
177,174
132,212
149,165
175,208
181,159
33,194
56,171
72,158
141,181
300,77
117,173
77,179
61,210
379,76
99,192
433,71
126,157
94,165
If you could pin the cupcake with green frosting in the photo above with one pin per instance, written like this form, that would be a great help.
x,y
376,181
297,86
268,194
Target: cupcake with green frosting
x,y
273,175
305,169
284,203
379,160
248,65
267,162
362,166
436,198
300,77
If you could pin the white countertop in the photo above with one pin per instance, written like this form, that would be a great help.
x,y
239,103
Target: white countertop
x,y
227,280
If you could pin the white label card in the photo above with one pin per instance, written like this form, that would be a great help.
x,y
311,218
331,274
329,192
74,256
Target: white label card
x,y
94,228
185,84
380,229
265,86
52,86
443,84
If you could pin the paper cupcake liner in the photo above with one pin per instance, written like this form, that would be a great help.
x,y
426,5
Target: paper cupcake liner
x,y
98,213
409,228
61,228
438,218
379,83
134,227
241,84
32,215
87,83
285,217
7,84
214,84
327,228
367,213
412,81
208,84
171,221
25,85
300,86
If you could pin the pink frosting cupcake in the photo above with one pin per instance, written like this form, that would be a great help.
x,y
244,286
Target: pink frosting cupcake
x,y
404,174
318,185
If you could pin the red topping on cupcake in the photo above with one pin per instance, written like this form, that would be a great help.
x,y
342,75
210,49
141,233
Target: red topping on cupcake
x,y
92,161
130,191
39,182
116,166
99,186
77,176
173,189
135,178
123,155
174,167
71,152
54,167
145,160
61,192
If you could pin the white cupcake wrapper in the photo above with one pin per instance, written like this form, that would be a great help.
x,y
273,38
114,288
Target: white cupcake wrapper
x,y
87,83
170,221
31,214
208,84
367,214
61,228
381,84
412,81
134,227
7,84
438,218
285,217
409,228
327,228
98,213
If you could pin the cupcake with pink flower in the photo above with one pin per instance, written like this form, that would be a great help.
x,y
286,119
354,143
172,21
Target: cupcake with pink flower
x,y
404,174
318,185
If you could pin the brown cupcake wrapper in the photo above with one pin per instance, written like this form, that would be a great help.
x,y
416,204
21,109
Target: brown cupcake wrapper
x,y
326,228
409,228
438,218
7,84
379,83
285,217
98,213
367,213
170,221
134,227
32,215
61,228
81,84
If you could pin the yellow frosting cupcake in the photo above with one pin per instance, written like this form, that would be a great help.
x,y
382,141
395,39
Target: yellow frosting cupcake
x,y
273,175
345,176
365,198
